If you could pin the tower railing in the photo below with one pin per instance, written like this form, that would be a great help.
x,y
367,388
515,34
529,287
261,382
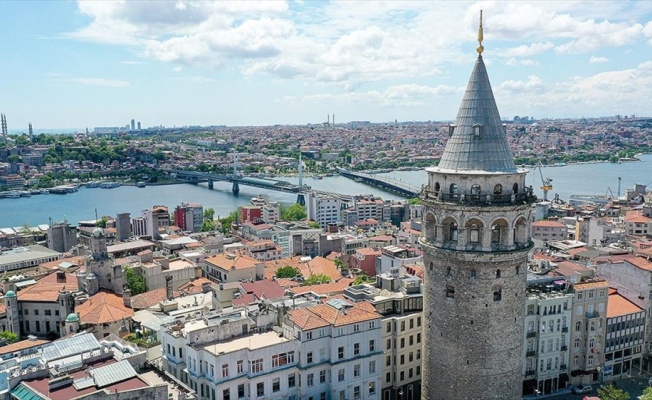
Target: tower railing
x,y
469,198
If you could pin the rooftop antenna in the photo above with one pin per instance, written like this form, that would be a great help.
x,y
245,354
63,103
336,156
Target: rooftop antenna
x,y
480,49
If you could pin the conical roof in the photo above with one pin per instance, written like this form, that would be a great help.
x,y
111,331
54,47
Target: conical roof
x,y
478,141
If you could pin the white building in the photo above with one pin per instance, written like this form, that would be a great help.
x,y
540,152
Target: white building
x,y
549,308
323,208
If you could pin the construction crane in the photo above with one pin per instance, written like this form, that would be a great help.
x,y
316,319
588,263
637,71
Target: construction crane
x,y
546,185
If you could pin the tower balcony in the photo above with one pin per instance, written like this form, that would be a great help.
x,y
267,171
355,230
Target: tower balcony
x,y
474,199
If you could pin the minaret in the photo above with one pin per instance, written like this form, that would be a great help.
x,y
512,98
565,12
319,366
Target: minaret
x,y
31,132
476,239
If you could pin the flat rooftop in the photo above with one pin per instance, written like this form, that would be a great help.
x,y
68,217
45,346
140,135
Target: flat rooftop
x,y
251,342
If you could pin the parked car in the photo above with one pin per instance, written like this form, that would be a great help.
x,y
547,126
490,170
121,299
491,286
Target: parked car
x,y
582,389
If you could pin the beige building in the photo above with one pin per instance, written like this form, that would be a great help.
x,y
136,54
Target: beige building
x,y
549,230
233,267
588,329
103,314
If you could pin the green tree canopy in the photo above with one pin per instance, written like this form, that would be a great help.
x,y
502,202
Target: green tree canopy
x,y
209,221
295,212
10,337
363,278
315,279
314,224
610,392
287,272
647,394
414,200
134,282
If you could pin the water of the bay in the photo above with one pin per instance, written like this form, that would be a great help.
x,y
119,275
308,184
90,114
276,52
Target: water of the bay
x,y
593,179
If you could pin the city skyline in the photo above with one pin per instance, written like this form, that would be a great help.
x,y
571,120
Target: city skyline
x,y
85,64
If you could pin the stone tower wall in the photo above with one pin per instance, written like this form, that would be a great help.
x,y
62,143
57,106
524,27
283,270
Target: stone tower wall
x,y
473,338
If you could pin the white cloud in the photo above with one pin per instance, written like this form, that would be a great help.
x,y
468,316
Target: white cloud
x,y
527,50
533,84
398,95
598,60
512,62
131,62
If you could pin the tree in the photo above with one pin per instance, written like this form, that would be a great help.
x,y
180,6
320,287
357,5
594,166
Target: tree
x,y
414,200
316,279
287,272
227,221
295,212
647,394
10,337
610,392
134,282
363,278
209,221
314,224
102,222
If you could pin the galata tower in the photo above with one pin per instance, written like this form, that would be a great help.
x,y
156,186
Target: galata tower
x,y
476,238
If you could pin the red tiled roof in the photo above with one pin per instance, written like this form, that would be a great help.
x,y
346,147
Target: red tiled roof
x,y
47,288
618,306
150,298
103,308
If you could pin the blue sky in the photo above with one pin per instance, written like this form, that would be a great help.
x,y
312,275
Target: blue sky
x,y
76,64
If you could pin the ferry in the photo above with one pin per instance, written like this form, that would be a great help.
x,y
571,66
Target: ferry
x,y
109,185
63,189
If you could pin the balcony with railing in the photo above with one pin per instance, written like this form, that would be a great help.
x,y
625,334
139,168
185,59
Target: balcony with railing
x,y
530,372
592,314
471,198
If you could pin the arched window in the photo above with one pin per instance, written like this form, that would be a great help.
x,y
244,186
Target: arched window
x,y
453,188
450,291
475,190
497,273
498,189
474,233
437,187
515,188
474,273
498,294
495,233
431,267
430,227
518,269
453,231
591,343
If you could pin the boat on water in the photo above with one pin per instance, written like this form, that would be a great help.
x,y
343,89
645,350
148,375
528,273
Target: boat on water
x,y
63,189
25,193
92,184
12,194
140,184
110,185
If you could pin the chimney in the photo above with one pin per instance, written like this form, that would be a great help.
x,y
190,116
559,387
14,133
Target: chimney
x,y
168,286
126,297
61,277
205,287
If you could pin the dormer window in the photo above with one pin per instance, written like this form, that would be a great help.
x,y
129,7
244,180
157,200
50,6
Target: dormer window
x,y
477,130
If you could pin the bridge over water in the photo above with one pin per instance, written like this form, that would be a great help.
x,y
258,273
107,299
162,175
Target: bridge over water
x,y
389,184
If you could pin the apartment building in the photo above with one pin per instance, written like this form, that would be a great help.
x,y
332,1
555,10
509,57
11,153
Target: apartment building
x,y
549,230
549,306
232,267
593,231
625,338
637,223
321,351
588,328
189,216
324,209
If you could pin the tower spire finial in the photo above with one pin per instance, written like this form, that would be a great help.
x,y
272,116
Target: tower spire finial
x,y
480,36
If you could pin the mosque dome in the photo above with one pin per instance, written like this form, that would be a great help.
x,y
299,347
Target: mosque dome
x,y
98,232
72,317
10,293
